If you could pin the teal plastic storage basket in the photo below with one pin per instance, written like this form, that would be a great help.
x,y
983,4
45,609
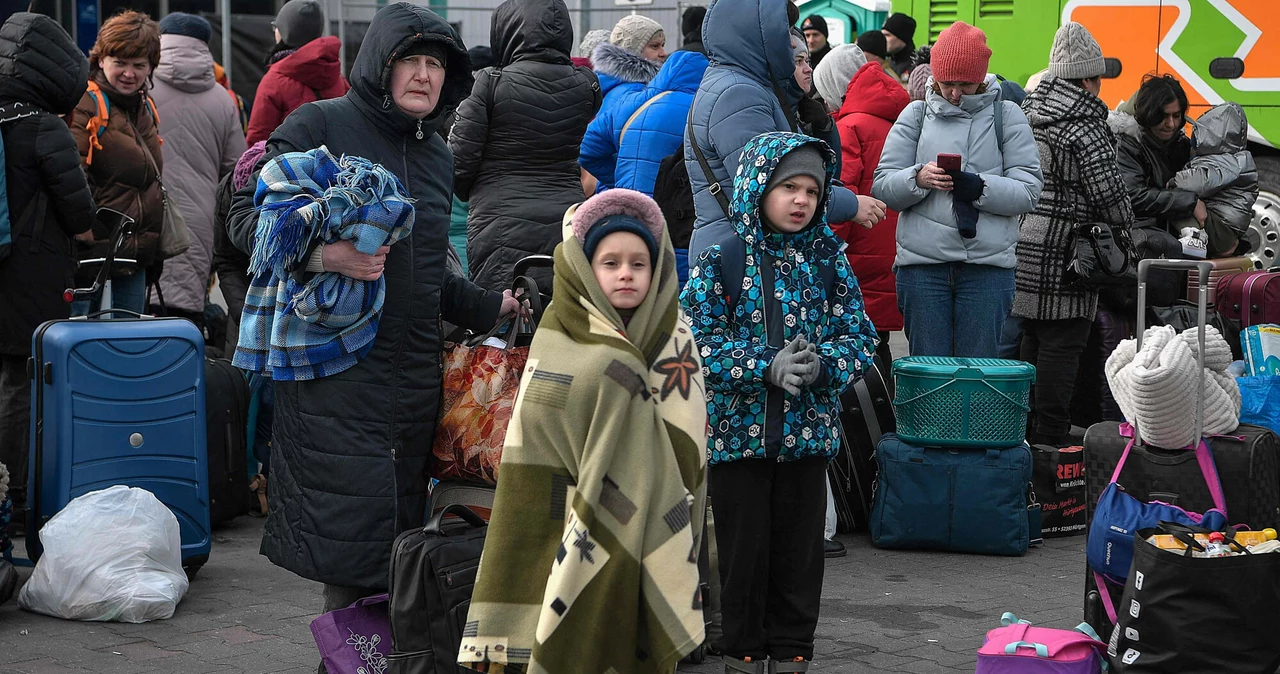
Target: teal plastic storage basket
x,y
962,402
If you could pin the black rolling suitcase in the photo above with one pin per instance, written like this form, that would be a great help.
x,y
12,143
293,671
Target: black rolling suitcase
x,y
1248,465
226,414
866,415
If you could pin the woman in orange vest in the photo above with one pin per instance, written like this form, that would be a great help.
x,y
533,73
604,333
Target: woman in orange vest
x,y
117,131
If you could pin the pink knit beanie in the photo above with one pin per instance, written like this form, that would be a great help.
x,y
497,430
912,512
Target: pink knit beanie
x,y
961,54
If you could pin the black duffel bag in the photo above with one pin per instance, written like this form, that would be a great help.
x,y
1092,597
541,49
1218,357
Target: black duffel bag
x,y
1195,615
1185,315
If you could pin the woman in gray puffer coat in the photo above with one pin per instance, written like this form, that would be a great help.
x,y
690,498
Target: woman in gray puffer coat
x,y
1082,185
515,140
957,230
202,141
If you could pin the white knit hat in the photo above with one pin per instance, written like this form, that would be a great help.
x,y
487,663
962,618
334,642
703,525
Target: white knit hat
x,y
1075,54
1156,388
591,40
835,71
633,32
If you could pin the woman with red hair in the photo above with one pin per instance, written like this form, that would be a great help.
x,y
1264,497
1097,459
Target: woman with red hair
x,y
116,129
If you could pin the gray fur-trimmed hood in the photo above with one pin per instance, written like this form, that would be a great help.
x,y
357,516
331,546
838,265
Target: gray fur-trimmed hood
x,y
1124,124
610,60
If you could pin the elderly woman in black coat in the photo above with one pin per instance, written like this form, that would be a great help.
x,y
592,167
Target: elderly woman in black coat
x,y
350,451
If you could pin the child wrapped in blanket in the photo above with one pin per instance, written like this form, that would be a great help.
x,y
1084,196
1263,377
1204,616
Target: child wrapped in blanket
x,y
1223,175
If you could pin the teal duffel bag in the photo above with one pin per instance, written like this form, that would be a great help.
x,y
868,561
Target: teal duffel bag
x,y
958,500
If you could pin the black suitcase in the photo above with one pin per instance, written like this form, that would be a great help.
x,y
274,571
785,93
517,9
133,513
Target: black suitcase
x,y
433,571
226,424
867,414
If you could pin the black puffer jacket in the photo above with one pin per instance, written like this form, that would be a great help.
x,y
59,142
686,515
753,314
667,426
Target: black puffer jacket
x,y
40,66
350,452
516,138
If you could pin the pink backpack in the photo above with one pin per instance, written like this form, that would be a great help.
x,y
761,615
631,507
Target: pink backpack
x,y
1018,648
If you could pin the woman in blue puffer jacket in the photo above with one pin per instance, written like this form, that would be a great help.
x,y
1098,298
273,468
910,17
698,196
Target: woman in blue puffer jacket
x,y
624,65
958,229
749,89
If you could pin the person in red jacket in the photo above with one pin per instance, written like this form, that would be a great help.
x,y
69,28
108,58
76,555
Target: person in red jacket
x,y
303,67
872,103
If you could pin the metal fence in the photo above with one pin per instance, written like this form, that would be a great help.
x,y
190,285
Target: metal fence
x,y
471,17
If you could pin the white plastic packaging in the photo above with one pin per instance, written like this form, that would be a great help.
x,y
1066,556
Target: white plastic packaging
x,y
109,555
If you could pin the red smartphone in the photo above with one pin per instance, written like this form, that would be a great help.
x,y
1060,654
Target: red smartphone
x,y
949,162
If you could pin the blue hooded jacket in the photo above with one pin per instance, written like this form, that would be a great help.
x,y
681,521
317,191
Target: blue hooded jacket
x,y
623,76
658,130
782,296
749,46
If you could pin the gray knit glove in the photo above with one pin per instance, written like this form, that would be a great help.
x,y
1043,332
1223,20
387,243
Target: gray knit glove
x,y
808,379
791,366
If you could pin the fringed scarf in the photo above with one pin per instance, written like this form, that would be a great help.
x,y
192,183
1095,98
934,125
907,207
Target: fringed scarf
x,y
299,326
590,564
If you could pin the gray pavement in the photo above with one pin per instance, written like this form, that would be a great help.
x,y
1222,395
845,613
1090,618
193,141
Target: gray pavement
x,y
882,611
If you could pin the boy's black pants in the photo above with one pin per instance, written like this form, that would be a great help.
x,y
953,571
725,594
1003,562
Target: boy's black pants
x,y
769,520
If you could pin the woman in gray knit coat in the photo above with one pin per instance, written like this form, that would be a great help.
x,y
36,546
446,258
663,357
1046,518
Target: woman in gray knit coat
x,y
1082,184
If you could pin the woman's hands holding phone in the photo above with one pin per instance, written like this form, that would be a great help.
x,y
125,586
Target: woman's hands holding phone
x,y
932,177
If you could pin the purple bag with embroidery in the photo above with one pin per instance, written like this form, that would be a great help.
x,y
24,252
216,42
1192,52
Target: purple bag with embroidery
x,y
356,639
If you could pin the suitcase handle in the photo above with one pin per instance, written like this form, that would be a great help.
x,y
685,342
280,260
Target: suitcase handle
x,y
96,314
467,515
1203,269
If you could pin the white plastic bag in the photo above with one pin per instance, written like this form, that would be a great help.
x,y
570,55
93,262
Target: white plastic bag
x,y
114,554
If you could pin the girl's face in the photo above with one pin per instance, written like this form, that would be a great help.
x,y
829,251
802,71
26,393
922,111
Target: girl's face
x,y
623,269
125,75
789,207
952,91
415,84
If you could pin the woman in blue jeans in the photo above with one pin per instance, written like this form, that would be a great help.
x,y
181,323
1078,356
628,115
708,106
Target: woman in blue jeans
x,y
958,227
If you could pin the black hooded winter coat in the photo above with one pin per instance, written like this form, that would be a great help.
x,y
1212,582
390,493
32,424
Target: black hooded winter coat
x,y
40,66
515,140
350,452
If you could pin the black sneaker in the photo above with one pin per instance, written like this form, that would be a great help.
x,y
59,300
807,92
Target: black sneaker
x,y
832,549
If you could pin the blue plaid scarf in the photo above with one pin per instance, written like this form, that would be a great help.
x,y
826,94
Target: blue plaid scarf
x,y
299,326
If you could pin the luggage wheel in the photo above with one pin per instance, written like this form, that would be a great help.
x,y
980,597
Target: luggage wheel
x,y
192,570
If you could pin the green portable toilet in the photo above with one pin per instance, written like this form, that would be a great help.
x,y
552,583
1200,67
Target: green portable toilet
x,y
841,15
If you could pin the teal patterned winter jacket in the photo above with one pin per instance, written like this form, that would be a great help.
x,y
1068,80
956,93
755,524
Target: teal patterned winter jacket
x,y
750,418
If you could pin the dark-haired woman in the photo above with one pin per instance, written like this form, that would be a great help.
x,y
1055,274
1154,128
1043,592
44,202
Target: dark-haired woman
x,y
1152,147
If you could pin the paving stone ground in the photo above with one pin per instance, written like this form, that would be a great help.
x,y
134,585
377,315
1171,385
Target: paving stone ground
x,y
882,611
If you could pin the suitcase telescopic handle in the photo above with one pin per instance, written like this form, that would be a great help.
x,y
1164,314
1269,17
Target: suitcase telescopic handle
x,y
1203,269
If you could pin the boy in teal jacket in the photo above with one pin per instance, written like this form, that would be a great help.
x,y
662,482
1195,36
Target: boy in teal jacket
x,y
779,345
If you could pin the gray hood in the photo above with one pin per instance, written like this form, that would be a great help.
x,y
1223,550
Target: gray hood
x,y
1223,129
185,64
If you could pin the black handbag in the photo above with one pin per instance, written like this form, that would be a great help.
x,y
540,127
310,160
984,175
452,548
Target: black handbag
x,y
1101,257
1192,615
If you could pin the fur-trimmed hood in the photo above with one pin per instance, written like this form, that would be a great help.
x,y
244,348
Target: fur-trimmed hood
x,y
617,201
615,65
1124,124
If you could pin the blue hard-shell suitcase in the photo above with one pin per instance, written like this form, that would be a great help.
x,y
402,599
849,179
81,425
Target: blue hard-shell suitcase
x,y
120,402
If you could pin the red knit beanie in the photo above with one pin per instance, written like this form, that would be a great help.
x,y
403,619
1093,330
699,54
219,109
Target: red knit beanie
x,y
961,54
